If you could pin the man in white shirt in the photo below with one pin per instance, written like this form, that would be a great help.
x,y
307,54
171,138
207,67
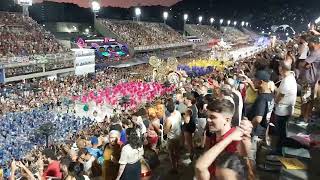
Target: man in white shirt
x,y
285,100
172,127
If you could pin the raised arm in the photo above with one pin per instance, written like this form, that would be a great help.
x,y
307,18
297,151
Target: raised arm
x,y
210,156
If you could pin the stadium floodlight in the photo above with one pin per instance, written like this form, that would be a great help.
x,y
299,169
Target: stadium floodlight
x,y
247,23
221,21
137,11
165,15
200,19
235,23
242,23
185,17
317,20
228,22
211,21
95,6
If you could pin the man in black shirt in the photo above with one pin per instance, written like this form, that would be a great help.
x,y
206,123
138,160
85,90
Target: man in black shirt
x,y
262,108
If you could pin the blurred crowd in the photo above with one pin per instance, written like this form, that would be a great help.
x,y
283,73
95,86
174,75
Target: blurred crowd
x,y
206,32
22,36
217,120
229,34
143,33
36,93
232,34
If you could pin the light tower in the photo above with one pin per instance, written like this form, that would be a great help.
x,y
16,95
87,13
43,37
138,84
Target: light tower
x,y
165,16
95,6
185,19
137,12
228,22
211,21
200,19
221,21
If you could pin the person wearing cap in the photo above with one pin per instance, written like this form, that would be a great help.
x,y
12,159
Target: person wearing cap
x,y
260,115
309,75
94,150
285,101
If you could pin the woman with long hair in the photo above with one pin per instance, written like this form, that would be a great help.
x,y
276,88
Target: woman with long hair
x,y
131,154
153,129
188,128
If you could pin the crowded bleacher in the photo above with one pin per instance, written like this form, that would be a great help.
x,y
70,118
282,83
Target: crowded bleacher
x,y
22,36
232,34
143,33
205,32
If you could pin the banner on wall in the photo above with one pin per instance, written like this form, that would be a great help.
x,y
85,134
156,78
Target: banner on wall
x,y
84,61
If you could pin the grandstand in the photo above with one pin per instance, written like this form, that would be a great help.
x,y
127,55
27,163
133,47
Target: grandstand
x,y
22,36
139,34
250,33
27,50
233,35
206,33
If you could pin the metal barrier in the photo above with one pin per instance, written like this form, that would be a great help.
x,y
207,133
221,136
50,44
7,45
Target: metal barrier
x,y
9,61
165,46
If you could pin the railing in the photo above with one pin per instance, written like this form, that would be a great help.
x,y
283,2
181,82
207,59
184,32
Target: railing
x,y
165,46
41,74
35,59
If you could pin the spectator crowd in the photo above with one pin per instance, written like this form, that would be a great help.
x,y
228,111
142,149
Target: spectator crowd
x,y
22,36
143,33
206,32
231,34
217,120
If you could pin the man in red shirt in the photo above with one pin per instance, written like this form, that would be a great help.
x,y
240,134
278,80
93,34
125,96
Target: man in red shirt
x,y
53,169
220,113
